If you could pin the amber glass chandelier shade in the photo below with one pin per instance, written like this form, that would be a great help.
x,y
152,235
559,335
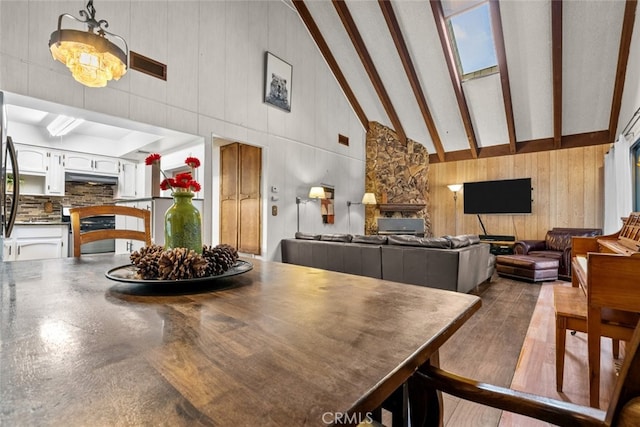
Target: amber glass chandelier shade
x,y
92,59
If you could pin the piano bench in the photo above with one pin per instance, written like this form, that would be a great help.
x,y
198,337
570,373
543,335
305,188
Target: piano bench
x,y
528,268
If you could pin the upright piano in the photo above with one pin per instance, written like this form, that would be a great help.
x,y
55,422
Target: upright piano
x,y
607,269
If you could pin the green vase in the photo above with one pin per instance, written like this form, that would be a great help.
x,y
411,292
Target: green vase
x,y
182,224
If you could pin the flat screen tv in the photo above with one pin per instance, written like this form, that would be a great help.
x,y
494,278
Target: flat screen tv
x,y
507,196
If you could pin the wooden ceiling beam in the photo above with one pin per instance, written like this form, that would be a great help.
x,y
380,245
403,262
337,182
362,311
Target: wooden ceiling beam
x,y
456,82
412,76
621,71
358,43
501,56
313,29
556,60
532,146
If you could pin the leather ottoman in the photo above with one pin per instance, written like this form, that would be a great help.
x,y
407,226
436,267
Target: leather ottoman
x,y
525,267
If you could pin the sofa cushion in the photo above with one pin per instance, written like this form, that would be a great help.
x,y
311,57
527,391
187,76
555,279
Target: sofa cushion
x,y
557,241
427,242
458,241
473,238
307,236
336,237
546,254
372,240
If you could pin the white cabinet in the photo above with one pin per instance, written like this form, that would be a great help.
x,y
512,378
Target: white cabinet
x,y
127,179
41,171
32,159
8,250
124,222
36,241
55,174
81,162
38,249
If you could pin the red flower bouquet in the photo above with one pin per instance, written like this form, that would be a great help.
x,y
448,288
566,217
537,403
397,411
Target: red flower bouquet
x,y
181,182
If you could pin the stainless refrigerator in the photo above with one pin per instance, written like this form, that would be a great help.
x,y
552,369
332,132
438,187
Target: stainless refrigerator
x,y
9,177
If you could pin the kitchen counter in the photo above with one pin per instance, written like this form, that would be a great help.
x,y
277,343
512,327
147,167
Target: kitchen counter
x,y
21,223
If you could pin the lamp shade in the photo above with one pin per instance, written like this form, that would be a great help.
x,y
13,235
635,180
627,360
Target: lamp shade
x,y
455,187
316,193
369,199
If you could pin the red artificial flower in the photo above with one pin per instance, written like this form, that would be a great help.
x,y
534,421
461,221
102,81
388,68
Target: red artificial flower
x,y
193,162
167,183
151,158
181,180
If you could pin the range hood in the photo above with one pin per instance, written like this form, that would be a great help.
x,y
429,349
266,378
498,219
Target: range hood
x,y
90,179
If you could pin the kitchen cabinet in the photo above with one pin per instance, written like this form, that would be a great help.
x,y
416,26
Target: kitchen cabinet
x,y
36,241
130,223
81,162
55,174
8,250
32,159
127,179
41,171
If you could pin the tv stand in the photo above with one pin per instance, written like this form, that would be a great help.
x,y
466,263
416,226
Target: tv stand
x,y
499,245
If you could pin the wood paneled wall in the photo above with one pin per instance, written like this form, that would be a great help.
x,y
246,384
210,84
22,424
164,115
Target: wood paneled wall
x,y
568,191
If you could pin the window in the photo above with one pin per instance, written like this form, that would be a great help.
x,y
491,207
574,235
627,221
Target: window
x,y
469,24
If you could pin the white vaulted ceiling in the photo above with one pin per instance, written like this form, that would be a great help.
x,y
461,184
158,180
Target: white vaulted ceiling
x,y
505,113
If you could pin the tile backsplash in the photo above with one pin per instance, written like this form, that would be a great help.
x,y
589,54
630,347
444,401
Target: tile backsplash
x,y
34,208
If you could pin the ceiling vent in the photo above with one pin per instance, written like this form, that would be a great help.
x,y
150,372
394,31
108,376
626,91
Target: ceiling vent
x,y
147,65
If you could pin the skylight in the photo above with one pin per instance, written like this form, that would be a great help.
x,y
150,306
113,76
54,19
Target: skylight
x,y
472,38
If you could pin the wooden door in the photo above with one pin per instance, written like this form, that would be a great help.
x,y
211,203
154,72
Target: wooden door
x,y
240,175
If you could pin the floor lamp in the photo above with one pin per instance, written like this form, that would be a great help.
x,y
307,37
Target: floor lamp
x,y
455,188
315,193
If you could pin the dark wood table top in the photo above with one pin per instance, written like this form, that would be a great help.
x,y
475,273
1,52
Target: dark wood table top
x,y
280,345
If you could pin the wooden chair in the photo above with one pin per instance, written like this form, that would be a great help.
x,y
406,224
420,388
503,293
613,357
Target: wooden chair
x,y
571,309
624,407
80,238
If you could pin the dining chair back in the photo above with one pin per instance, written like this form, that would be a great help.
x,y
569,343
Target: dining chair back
x,y
624,406
80,238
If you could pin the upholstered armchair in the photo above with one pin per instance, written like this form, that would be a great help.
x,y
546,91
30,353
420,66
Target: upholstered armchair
x,y
556,245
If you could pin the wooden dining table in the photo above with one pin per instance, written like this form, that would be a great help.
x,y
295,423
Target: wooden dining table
x,y
279,345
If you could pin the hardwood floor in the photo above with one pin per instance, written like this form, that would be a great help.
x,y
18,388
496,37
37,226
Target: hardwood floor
x,y
510,342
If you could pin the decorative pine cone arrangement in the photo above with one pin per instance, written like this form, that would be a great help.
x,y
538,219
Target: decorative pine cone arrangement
x,y
153,262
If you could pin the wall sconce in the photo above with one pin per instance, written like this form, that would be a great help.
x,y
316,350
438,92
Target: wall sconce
x,y
315,193
92,59
455,188
367,199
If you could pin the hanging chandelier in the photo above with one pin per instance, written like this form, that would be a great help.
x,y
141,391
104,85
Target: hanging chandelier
x,y
92,59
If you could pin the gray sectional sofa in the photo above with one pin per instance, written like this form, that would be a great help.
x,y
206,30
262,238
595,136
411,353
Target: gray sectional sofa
x,y
456,263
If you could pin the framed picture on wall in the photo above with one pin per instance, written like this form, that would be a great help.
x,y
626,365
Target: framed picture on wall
x,y
277,82
327,205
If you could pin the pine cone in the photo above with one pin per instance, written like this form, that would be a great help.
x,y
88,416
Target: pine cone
x,y
178,263
219,258
146,261
136,256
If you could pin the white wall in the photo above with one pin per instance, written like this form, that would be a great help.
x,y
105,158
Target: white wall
x,y
214,51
